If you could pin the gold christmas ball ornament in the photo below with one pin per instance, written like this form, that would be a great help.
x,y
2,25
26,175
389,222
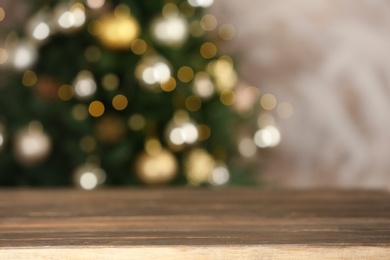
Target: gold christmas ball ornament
x,y
117,30
32,145
152,71
199,165
156,168
89,176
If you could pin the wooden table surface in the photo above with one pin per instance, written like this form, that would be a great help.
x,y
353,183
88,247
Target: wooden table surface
x,y
194,224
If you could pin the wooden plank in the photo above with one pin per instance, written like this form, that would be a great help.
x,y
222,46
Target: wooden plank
x,y
198,223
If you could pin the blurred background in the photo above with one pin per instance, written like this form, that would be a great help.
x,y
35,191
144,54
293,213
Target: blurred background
x,y
197,92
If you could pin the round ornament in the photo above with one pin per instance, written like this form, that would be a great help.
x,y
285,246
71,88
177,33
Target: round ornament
x,y
157,168
32,145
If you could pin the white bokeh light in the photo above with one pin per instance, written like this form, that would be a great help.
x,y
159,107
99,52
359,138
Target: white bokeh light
x,y
185,133
95,4
66,20
203,86
41,31
85,85
171,31
88,181
269,136
219,176
24,56
157,73
201,3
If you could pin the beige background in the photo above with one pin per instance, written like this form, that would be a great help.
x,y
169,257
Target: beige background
x,y
331,60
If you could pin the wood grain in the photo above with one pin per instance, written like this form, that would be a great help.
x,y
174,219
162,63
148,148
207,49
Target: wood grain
x,y
195,223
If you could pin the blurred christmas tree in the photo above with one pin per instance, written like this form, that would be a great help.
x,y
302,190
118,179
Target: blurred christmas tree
x,y
122,92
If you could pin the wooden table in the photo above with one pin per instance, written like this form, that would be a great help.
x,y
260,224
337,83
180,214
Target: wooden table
x,y
194,224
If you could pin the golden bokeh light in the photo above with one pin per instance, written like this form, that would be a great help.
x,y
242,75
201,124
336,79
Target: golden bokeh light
x,y
96,108
185,74
193,103
228,97
195,29
65,92
3,56
208,50
169,85
29,78
153,146
118,30
95,28
110,81
136,122
187,9
169,10
2,14
120,102
208,22
157,169
92,54
95,4
227,32
139,46
268,102
198,165
204,132
265,119
79,112
285,110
